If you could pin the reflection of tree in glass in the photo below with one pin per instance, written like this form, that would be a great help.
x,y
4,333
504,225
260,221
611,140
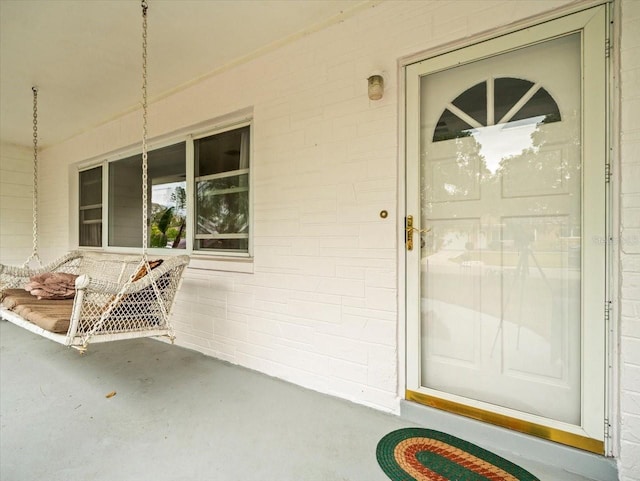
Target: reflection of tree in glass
x,y
541,155
168,223
223,205
467,177
162,225
179,197
462,175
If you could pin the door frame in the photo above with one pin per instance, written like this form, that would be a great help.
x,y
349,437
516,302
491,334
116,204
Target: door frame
x,y
594,436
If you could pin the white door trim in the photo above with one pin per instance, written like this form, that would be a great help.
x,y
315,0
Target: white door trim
x,y
592,23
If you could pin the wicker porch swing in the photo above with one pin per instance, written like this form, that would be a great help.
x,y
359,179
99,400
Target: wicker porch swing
x,y
88,297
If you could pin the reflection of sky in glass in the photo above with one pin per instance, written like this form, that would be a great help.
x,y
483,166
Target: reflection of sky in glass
x,y
505,140
161,194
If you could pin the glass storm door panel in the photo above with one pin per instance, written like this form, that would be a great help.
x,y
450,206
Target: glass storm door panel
x,y
500,232
501,196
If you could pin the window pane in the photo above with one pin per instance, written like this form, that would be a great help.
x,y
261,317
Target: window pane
x,y
533,102
222,191
450,126
223,152
239,245
507,91
125,202
166,176
168,211
91,186
169,215
473,102
540,105
90,208
499,274
223,206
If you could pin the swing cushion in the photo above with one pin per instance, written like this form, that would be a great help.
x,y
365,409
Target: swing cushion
x,y
50,315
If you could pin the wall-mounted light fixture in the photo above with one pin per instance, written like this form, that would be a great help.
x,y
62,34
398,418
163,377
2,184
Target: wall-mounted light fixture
x,y
376,86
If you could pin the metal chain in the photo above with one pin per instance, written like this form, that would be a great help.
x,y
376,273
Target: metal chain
x,y
34,253
144,261
145,155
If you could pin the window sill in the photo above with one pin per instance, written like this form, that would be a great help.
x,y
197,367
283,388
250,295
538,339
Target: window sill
x,y
228,264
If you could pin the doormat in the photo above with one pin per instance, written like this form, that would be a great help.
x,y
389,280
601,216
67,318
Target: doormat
x,y
417,454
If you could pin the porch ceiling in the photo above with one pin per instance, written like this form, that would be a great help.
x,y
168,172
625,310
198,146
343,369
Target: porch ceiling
x,y
85,56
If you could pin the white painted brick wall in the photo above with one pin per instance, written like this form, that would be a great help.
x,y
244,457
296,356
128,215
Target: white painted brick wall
x,y
629,464
16,201
321,307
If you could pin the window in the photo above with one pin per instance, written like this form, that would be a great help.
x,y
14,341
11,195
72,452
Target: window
x,y
168,210
166,193
514,100
222,191
214,200
90,215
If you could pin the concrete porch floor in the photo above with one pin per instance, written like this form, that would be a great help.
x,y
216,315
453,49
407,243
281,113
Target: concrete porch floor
x,y
177,415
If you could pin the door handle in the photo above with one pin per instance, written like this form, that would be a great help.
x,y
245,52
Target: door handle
x,y
409,229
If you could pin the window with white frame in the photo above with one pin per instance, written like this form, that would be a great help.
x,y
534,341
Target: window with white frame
x,y
215,200
222,191
166,192
90,208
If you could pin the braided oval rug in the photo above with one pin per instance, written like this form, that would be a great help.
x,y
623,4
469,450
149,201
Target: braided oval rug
x,y
418,454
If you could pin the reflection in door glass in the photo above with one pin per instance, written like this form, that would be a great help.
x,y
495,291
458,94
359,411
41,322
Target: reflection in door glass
x,y
514,100
501,263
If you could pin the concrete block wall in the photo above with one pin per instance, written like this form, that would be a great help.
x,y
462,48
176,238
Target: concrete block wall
x,y
630,242
320,307
16,204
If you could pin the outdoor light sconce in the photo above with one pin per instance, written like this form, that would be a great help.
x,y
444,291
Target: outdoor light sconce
x,y
376,87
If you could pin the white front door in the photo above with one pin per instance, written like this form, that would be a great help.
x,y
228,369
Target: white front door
x,y
505,284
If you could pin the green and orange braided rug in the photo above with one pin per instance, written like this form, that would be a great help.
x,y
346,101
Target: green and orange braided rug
x,y
417,454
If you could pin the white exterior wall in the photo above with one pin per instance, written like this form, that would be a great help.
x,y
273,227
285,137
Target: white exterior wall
x,y
321,306
630,242
16,204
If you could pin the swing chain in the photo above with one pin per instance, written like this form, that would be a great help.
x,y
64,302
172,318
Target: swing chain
x,y
145,154
34,254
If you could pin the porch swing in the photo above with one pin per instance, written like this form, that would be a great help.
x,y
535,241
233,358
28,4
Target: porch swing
x,y
87,297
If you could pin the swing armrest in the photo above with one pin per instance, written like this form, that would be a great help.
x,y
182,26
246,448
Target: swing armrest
x,y
13,276
100,286
116,306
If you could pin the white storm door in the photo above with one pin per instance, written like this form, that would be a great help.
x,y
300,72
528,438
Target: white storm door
x,y
505,176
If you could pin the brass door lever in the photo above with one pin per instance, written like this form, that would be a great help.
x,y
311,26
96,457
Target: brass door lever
x,y
409,232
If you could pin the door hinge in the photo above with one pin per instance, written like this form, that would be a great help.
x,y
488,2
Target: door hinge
x,y
607,311
607,173
607,48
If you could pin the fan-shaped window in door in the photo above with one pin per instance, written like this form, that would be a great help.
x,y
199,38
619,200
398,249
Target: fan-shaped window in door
x,y
493,102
